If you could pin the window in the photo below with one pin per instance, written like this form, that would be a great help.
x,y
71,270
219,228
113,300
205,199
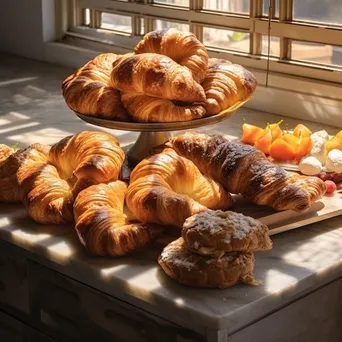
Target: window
x,y
298,37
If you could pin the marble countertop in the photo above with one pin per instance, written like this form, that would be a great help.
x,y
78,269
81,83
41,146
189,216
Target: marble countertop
x,y
33,110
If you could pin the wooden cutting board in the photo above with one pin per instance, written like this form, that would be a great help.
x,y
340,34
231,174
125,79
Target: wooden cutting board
x,y
281,221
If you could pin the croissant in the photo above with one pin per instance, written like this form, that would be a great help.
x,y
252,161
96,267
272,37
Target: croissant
x,y
11,165
88,90
49,189
246,170
155,75
143,108
216,232
101,224
196,270
183,47
166,189
226,84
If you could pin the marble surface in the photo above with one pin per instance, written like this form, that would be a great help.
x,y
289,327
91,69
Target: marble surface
x,y
33,110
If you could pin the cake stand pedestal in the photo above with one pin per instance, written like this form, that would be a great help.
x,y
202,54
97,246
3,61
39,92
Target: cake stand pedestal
x,y
156,133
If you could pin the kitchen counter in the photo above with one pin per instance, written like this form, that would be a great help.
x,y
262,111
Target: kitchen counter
x,y
300,275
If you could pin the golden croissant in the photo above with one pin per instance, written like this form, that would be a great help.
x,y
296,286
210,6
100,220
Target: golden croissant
x,y
166,189
155,75
226,84
243,169
88,90
49,189
101,224
12,165
144,108
183,47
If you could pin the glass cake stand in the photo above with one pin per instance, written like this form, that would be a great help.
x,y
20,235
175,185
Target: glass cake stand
x,y
156,133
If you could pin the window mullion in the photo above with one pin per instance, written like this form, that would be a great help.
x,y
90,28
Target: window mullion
x,y
196,5
255,38
285,15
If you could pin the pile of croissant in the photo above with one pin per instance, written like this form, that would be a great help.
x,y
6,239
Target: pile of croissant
x,y
186,183
168,77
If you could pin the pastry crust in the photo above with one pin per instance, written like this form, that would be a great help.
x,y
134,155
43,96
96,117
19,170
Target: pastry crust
x,y
183,47
243,169
166,189
13,165
196,270
216,232
102,226
88,90
48,189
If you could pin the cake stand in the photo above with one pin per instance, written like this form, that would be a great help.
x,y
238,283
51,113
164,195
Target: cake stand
x,y
156,133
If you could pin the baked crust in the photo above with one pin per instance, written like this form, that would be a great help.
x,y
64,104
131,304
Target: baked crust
x,y
196,270
215,232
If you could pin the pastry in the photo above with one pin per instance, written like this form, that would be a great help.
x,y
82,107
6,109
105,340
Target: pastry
x,y
225,85
49,189
12,165
88,90
101,224
197,270
216,232
183,47
166,189
144,108
243,169
155,75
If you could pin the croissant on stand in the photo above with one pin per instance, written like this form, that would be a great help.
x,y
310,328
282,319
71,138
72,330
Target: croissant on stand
x,y
167,78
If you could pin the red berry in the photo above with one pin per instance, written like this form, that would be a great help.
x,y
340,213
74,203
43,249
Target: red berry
x,y
331,186
339,186
325,176
337,177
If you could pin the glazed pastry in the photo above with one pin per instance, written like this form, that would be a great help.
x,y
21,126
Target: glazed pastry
x,y
183,47
197,270
226,84
166,189
143,108
243,169
88,90
155,75
11,166
216,232
48,190
101,224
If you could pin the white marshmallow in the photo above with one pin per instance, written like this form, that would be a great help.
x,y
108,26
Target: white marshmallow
x,y
334,161
310,166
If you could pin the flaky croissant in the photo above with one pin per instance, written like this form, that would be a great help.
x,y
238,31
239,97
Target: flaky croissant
x,y
12,165
155,75
101,224
183,47
243,169
166,189
226,84
49,189
88,92
144,108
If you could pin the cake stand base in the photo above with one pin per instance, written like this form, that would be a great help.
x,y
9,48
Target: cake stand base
x,y
144,145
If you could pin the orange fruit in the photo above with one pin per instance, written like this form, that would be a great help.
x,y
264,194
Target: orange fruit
x,y
339,135
282,150
251,133
275,129
301,131
264,142
333,143
291,139
304,147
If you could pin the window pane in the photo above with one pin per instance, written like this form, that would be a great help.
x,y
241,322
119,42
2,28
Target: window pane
x,y
240,6
142,26
226,39
317,53
274,46
116,22
265,8
161,24
318,11
184,3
